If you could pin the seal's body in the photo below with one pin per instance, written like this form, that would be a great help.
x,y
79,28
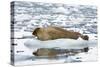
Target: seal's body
x,y
51,33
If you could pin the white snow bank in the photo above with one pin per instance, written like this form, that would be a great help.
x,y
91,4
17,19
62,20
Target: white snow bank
x,y
57,43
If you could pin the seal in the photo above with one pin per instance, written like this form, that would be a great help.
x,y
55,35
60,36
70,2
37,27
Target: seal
x,y
51,33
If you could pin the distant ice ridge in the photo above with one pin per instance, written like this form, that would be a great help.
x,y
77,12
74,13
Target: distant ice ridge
x,y
57,43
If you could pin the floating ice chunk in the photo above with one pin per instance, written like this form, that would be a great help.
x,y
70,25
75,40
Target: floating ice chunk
x,y
60,10
57,43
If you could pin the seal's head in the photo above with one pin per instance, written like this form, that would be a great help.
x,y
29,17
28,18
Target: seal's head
x,y
35,31
35,53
